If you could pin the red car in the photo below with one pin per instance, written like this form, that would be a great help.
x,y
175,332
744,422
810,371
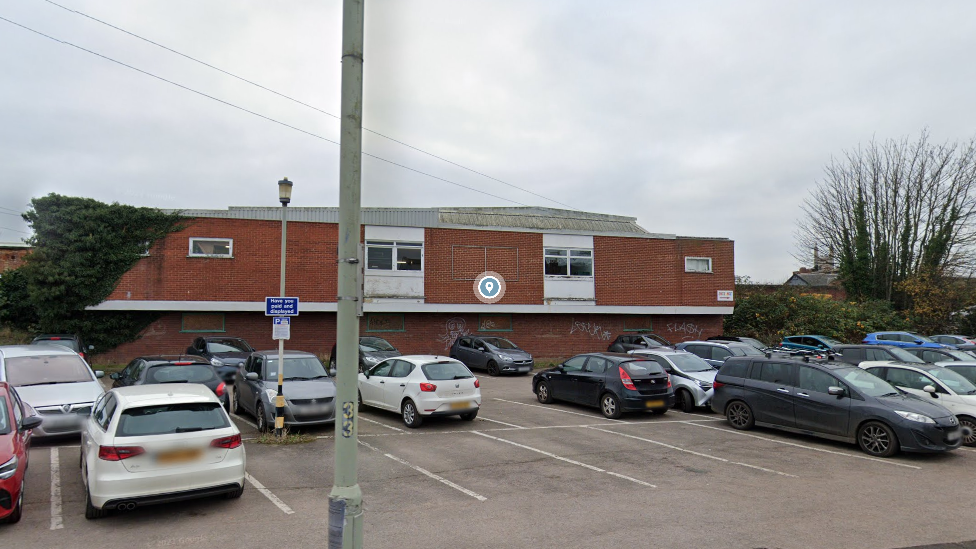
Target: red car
x,y
16,421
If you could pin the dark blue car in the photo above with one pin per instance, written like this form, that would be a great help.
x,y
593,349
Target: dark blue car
x,y
903,339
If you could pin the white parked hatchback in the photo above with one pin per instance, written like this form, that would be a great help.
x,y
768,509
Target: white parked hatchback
x,y
150,444
421,385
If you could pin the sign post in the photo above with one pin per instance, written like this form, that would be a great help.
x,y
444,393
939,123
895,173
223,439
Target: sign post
x,y
281,329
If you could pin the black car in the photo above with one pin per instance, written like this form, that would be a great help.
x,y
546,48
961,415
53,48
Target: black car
x,y
638,341
856,354
71,341
150,370
833,400
226,354
940,355
614,382
372,351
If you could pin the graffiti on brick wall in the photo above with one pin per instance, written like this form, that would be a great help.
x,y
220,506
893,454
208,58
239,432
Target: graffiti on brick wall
x,y
454,328
685,331
589,329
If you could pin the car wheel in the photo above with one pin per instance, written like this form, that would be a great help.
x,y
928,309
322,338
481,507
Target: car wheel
x,y
261,419
686,402
236,493
543,393
411,417
18,511
610,406
739,415
92,512
493,368
469,416
970,423
877,439
235,402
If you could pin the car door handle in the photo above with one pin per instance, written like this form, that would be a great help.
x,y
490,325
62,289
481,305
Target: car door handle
x,y
803,395
782,390
382,382
403,385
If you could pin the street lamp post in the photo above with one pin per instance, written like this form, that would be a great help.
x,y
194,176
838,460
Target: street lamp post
x,y
284,196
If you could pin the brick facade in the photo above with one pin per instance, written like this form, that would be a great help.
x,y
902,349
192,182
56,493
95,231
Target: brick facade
x,y
12,257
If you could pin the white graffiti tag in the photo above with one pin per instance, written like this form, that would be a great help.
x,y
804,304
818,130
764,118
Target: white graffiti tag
x,y
453,329
590,329
690,330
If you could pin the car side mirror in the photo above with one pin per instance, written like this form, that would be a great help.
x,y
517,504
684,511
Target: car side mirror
x,y
30,423
91,347
482,349
918,342
99,374
332,372
366,372
251,376
835,391
930,389
114,376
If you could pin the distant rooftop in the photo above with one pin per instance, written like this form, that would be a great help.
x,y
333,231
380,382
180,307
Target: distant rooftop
x,y
8,245
534,219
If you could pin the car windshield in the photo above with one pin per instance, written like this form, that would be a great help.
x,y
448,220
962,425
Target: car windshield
x,y
4,417
190,373
921,337
373,344
46,370
868,383
959,355
69,343
296,369
687,362
658,339
745,350
830,341
439,371
642,367
499,343
952,380
171,418
904,356
233,345
759,345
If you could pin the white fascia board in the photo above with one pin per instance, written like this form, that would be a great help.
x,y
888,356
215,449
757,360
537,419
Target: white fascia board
x,y
408,307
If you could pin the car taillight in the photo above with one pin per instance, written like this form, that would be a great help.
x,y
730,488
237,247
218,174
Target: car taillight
x,y
428,387
477,383
182,363
118,453
717,384
625,379
227,442
669,382
220,389
55,339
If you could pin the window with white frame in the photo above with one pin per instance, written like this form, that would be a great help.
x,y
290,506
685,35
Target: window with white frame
x,y
698,264
211,247
568,262
394,255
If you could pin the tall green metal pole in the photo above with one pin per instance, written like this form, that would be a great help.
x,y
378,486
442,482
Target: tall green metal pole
x,y
346,499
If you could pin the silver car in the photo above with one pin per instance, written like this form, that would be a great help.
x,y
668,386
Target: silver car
x,y
692,377
56,381
308,389
495,354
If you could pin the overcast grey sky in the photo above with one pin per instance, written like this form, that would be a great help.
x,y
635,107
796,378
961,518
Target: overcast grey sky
x,y
698,118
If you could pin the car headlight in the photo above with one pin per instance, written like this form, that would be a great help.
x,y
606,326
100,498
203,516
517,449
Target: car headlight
x,y
703,384
912,416
272,394
507,359
216,361
8,469
370,360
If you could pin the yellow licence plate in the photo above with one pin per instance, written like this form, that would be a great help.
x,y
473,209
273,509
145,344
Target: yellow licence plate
x,y
460,405
178,456
654,403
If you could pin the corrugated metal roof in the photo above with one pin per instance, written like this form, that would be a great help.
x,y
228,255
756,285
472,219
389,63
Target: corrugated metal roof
x,y
532,219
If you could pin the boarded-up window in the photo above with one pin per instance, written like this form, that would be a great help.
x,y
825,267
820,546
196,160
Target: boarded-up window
x,y
203,322
385,322
637,324
494,323
470,261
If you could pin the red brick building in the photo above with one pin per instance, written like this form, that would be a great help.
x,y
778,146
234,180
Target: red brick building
x,y
12,255
574,280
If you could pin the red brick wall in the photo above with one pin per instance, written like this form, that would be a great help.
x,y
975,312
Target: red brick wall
x,y
543,335
11,258
701,289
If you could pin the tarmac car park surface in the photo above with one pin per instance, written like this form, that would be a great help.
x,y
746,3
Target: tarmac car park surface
x,y
525,474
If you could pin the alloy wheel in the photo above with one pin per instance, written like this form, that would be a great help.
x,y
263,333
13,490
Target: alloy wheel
x,y
543,392
609,406
971,439
875,439
409,412
738,415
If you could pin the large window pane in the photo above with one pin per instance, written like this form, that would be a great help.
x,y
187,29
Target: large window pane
x,y
581,267
379,258
408,259
556,266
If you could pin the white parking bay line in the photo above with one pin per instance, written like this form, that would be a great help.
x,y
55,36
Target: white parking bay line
x,y
56,521
267,493
551,409
707,456
244,421
380,424
567,460
815,449
438,478
501,423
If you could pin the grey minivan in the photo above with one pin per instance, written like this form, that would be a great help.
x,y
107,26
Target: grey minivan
x,y
308,389
495,354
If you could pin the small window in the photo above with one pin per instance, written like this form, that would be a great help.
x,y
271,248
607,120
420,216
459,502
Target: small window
x,y
698,264
814,380
719,353
212,247
776,372
736,368
402,368
383,369
385,322
107,411
877,354
568,262
596,365
574,364
389,255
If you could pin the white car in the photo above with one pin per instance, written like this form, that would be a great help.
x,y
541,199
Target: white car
x,y
936,384
421,385
151,444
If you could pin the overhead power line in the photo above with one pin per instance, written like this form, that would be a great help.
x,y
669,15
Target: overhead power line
x,y
14,230
313,107
259,115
